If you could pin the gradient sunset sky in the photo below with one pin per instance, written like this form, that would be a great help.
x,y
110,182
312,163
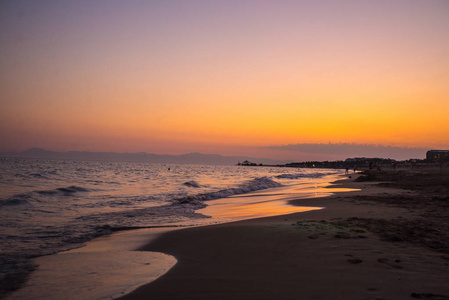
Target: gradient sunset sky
x,y
227,77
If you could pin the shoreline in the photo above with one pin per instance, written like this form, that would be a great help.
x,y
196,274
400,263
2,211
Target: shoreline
x,y
334,252
276,257
98,276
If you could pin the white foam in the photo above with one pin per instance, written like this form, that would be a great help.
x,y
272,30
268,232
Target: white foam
x,y
256,184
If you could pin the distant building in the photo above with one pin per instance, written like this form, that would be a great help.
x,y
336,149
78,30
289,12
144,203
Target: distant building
x,y
437,155
247,163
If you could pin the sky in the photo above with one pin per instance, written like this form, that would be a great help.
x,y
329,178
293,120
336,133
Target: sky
x,y
229,77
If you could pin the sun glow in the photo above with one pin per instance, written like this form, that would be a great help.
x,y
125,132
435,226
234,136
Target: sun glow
x,y
224,75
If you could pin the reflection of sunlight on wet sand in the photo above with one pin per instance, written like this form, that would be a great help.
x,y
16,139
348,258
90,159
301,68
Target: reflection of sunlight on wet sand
x,y
273,202
106,268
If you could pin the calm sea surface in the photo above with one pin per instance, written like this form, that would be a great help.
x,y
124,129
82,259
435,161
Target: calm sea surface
x,y
47,206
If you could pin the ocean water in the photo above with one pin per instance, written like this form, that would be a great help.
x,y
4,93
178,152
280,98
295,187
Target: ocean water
x,y
47,206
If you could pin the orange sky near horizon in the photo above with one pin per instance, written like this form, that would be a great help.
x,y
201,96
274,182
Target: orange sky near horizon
x,y
223,76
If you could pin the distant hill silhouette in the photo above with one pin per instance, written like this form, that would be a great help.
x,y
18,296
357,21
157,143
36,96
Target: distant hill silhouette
x,y
188,158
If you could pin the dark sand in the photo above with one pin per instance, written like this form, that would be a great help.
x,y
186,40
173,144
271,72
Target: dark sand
x,y
388,241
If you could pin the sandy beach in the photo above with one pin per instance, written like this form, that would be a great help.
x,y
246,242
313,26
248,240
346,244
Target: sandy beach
x,y
387,241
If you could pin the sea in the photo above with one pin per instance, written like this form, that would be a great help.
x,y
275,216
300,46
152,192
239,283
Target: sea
x,y
48,206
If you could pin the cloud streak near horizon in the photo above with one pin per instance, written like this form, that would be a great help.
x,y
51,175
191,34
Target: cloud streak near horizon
x,y
355,150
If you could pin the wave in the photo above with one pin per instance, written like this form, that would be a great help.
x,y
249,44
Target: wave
x,y
38,175
301,175
108,228
15,201
192,183
32,197
256,184
290,176
63,191
296,176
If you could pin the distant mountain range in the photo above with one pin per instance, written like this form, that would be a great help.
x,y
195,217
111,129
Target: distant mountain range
x,y
189,158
